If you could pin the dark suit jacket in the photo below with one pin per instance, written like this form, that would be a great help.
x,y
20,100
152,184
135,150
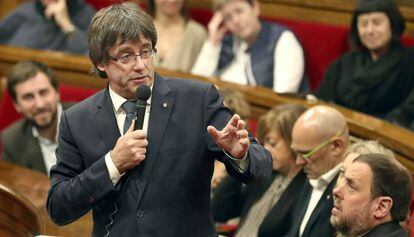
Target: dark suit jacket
x,y
166,195
389,229
318,224
19,146
231,200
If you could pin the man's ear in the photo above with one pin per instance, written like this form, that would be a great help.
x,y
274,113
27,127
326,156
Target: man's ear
x,y
383,207
338,146
100,67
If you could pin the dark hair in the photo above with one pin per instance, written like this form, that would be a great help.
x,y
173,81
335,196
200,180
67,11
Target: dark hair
x,y
117,23
392,179
397,21
283,118
151,9
217,4
26,70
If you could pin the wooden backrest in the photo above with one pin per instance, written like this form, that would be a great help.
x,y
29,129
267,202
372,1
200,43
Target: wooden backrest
x,y
18,217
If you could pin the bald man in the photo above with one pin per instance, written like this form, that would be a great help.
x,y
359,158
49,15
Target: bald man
x,y
320,138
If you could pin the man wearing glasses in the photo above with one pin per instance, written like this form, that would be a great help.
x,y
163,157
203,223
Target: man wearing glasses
x,y
320,138
154,181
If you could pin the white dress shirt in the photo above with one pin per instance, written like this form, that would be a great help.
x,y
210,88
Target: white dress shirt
x,y
318,188
48,147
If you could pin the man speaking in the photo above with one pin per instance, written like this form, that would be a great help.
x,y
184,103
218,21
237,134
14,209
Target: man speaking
x,y
154,181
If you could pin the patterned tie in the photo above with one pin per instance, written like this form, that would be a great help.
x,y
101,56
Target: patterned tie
x,y
130,110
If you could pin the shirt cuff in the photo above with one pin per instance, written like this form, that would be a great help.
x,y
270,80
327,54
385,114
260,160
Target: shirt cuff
x,y
114,174
240,164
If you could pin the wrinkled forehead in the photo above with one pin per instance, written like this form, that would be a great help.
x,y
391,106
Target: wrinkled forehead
x,y
138,44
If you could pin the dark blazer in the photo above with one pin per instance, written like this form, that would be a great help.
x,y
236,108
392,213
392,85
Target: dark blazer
x,y
389,229
166,195
231,199
319,221
20,147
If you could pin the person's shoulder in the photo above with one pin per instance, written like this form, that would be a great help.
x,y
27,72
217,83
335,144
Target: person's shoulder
x,y
13,131
85,105
274,25
185,83
26,8
196,27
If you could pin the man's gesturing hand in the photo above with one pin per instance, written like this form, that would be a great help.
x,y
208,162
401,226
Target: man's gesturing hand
x,y
233,138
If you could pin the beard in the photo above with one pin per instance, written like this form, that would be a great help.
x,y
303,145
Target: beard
x,y
348,227
46,125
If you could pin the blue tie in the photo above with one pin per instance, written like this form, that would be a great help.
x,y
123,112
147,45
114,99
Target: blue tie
x,y
130,110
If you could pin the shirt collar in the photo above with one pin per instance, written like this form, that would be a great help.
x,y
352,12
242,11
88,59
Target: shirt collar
x,y
118,100
59,113
323,181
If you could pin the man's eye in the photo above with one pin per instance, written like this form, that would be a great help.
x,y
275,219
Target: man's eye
x,y
126,57
145,53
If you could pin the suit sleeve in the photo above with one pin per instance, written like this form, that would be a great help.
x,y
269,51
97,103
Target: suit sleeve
x,y
75,189
218,115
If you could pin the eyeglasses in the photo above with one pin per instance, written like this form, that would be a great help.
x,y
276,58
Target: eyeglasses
x,y
130,58
310,153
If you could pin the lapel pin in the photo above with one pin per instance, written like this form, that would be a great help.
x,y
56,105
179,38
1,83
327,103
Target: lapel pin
x,y
164,105
328,197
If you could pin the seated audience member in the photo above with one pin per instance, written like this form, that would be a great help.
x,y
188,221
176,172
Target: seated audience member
x,y
236,102
372,198
266,209
378,78
31,141
255,52
48,24
320,138
179,38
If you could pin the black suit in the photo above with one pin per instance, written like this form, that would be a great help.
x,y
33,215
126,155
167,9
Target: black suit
x,y
231,200
389,229
166,195
319,222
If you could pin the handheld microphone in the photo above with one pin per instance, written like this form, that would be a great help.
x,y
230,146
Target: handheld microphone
x,y
143,93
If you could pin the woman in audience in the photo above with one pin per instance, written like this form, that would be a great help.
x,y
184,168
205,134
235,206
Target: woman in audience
x,y
254,52
48,24
179,38
378,78
266,209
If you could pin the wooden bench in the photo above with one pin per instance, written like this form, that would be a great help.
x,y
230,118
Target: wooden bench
x,y
18,217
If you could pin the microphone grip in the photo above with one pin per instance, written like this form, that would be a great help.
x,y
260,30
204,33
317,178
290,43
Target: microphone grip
x,y
141,105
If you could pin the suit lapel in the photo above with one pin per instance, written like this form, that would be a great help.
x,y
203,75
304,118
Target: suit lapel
x,y
32,152
162,103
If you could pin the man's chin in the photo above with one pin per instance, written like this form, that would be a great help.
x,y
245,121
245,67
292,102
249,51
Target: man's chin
x,y
43,125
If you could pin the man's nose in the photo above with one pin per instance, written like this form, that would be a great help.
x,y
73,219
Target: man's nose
x,y
39,101
138,63
300,160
